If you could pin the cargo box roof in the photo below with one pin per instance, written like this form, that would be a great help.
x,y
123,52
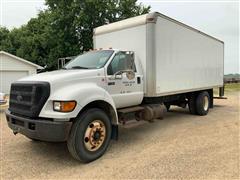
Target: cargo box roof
x,y
140,20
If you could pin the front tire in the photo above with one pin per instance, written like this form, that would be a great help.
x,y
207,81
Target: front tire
x,y
90,135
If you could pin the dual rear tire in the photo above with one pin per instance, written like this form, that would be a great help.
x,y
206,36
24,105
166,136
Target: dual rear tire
x,y
199,104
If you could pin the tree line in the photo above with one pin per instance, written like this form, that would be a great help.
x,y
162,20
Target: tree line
x,y
65,28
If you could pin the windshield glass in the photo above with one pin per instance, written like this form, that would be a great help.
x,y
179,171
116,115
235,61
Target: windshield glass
x,y
90,60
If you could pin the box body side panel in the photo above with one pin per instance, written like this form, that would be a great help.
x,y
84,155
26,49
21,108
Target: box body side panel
x,y
185,60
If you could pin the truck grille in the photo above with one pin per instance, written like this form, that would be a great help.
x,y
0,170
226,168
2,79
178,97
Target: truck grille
x,y
28,98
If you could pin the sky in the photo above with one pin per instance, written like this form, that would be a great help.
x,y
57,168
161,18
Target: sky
x,y
218,18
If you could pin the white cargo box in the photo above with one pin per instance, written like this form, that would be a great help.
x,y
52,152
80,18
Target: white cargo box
x,y
175,58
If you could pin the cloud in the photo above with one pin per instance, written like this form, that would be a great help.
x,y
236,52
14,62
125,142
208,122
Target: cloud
x,y
17,13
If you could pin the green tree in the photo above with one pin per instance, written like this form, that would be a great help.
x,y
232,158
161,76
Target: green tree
x,y
74,20
34,40
5,42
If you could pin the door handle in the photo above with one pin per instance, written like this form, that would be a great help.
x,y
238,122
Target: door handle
x,y
111,83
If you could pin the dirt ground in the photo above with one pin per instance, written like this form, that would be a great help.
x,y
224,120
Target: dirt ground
x,y
182,146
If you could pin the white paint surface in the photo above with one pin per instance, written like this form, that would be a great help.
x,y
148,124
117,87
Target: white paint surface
x,y
185,59
175,58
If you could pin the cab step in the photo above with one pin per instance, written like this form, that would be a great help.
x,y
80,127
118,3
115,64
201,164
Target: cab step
x,y
130,109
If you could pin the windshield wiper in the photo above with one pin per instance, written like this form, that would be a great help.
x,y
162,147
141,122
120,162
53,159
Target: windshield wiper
x,y
78,67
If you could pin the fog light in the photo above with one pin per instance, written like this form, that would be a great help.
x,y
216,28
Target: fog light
x,y
64,106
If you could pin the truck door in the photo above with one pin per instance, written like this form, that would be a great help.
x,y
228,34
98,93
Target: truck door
x,y
125,88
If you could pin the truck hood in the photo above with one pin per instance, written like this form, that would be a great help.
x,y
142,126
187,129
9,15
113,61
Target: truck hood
x,y
64,75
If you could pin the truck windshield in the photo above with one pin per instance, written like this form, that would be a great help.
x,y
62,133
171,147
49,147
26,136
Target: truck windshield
x,y
90,60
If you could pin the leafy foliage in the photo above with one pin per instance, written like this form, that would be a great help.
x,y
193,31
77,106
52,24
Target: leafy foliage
x,y
65,28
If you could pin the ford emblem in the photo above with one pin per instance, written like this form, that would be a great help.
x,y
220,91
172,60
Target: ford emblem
x,y
19,98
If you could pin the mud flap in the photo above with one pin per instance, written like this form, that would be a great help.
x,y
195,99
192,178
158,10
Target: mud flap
x,y
114,134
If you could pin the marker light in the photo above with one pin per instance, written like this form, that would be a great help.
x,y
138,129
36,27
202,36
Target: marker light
x,y
64,106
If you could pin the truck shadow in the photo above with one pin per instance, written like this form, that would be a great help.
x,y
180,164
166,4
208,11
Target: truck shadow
x,y
177,110
218,106
57,152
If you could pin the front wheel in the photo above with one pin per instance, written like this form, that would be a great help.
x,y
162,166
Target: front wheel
x,y
90,135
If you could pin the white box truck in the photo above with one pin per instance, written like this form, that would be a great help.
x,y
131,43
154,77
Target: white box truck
x,y
142,66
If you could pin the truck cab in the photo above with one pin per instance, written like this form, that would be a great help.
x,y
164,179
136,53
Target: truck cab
x,y
48,105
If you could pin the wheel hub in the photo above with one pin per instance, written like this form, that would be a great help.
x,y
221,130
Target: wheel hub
x,y
95,135
206,103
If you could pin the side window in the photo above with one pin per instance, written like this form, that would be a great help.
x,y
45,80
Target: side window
x,y
121,61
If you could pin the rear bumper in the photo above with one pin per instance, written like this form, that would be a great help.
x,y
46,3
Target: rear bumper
x,y
44,130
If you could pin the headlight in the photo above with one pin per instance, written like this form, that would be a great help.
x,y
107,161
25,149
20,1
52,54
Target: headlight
x,y
64,106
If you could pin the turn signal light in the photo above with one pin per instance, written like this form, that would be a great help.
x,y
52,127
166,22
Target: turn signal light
x,y
64,106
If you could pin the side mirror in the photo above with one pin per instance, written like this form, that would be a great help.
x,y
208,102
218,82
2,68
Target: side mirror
x,y
119,75
116,75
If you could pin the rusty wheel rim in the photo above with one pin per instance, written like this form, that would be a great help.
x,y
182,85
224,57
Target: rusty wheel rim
x,y
95,135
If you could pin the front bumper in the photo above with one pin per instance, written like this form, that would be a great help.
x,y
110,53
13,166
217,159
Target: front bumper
x,y
39,129
3,102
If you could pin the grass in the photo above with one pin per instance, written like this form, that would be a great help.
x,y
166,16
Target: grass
x,y
228,88
232,87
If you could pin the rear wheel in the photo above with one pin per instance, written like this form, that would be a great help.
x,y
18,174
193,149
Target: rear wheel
x,y
202,103
192,104
90,135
